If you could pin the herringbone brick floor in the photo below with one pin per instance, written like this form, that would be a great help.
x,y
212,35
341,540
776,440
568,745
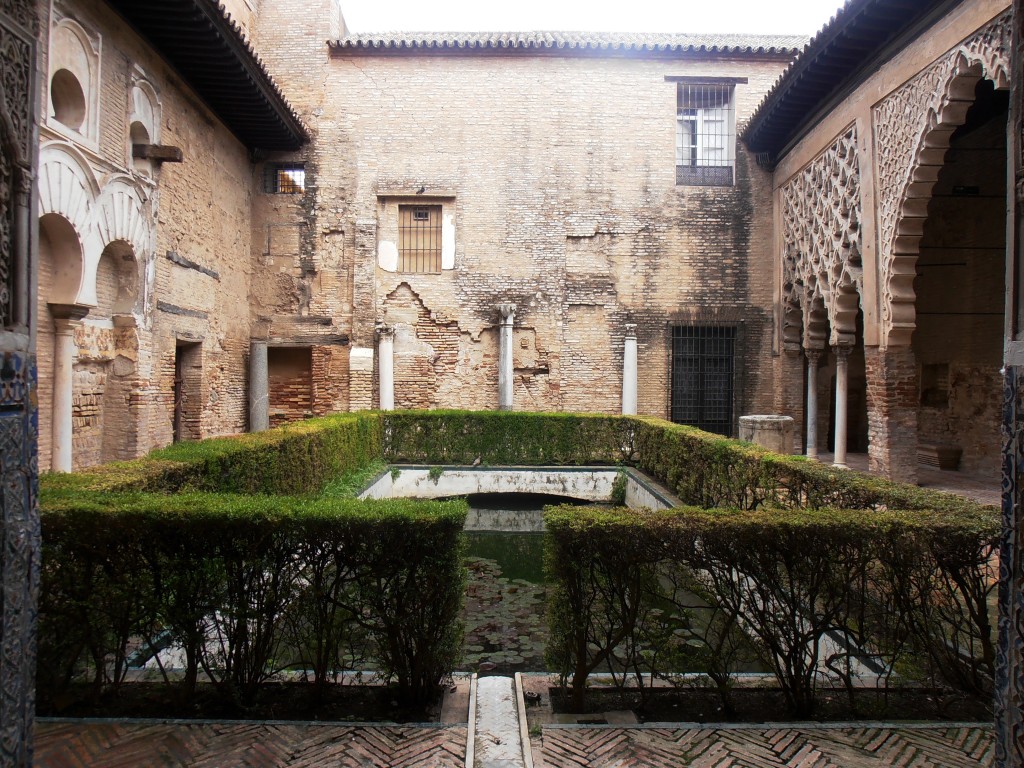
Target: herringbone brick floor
x,y
746,747
253,745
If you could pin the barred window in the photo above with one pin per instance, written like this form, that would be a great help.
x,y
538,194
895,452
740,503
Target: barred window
x,y
419,238
287,179
705,135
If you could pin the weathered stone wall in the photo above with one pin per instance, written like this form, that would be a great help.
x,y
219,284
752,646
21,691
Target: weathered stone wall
x,y
185,278
558,175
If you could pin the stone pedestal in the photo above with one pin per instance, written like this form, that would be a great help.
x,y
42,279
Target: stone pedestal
x,y
505,372
629,371
769,431
386,367
259,387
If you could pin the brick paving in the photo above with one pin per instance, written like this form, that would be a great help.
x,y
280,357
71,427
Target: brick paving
x,y
846,746
135,744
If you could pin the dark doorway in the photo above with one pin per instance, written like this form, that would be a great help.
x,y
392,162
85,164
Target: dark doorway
x,y
188,376
703,377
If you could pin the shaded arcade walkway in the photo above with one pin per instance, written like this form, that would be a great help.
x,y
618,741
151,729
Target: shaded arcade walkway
x,y
985,490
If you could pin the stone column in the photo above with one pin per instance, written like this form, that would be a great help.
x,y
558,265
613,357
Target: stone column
x,y
259,387
629,372
65,320
812,355
842,388
505,374
386,366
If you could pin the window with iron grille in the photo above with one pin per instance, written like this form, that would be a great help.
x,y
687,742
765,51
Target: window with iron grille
x,y
279,179
419,238
705,135
703,368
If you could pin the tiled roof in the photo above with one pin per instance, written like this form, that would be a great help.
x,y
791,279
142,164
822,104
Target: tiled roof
x,y
208,49
570,43
851,45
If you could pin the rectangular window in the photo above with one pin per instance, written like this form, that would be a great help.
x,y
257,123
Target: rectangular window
x,y
419,238
287,179
705,135
703,367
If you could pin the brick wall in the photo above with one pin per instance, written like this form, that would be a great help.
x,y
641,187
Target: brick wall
x,y
559,174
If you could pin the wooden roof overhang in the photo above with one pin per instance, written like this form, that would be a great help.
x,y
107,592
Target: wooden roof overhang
x,y
212,55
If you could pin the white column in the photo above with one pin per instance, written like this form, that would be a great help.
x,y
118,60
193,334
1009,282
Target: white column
x,y
259,387
386,367
812,356
64,322
629,373
505,374
842,382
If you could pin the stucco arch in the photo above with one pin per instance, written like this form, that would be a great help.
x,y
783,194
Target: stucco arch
x,y
935,103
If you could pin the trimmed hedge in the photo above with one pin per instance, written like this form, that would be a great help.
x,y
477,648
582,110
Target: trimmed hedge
x,y
298,458
909,586
245,584
261,572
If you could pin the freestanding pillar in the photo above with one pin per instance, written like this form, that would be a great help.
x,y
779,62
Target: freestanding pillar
x,y
505,375
386,367
842,384
812,402
65,318
259,387
629,374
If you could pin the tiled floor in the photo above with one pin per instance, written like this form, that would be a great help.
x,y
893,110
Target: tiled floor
x,y
74,744
761,747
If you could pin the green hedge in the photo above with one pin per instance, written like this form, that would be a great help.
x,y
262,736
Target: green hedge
x,y
299,458
248,584
910,588
498,438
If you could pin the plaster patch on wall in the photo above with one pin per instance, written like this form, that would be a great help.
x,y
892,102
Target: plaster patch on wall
x,y
360,359
447,242
387,256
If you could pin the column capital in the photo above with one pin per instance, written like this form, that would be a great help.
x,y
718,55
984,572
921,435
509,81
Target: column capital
x,y
386,332
67,316
630,330
813,354
507,311
842,351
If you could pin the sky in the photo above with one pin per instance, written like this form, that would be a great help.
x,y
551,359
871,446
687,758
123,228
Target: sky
x,y
804,17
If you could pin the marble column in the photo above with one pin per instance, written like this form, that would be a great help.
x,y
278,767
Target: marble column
x,y
842,385
629,371
65,320
505,373
259,387
812,355
386,366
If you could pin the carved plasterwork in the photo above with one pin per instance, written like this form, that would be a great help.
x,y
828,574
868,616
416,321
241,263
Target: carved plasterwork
x,y
912,128
821,213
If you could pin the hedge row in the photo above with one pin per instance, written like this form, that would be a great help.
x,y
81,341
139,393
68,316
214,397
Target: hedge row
x,y
813,594
249,585
299,458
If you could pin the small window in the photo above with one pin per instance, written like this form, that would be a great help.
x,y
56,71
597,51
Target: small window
x,y
705,135
285,179
419,238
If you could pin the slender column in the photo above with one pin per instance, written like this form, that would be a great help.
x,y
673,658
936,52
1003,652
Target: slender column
x,y
386,366
812,355
842,384
508,313
629,373
259,387
65,319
